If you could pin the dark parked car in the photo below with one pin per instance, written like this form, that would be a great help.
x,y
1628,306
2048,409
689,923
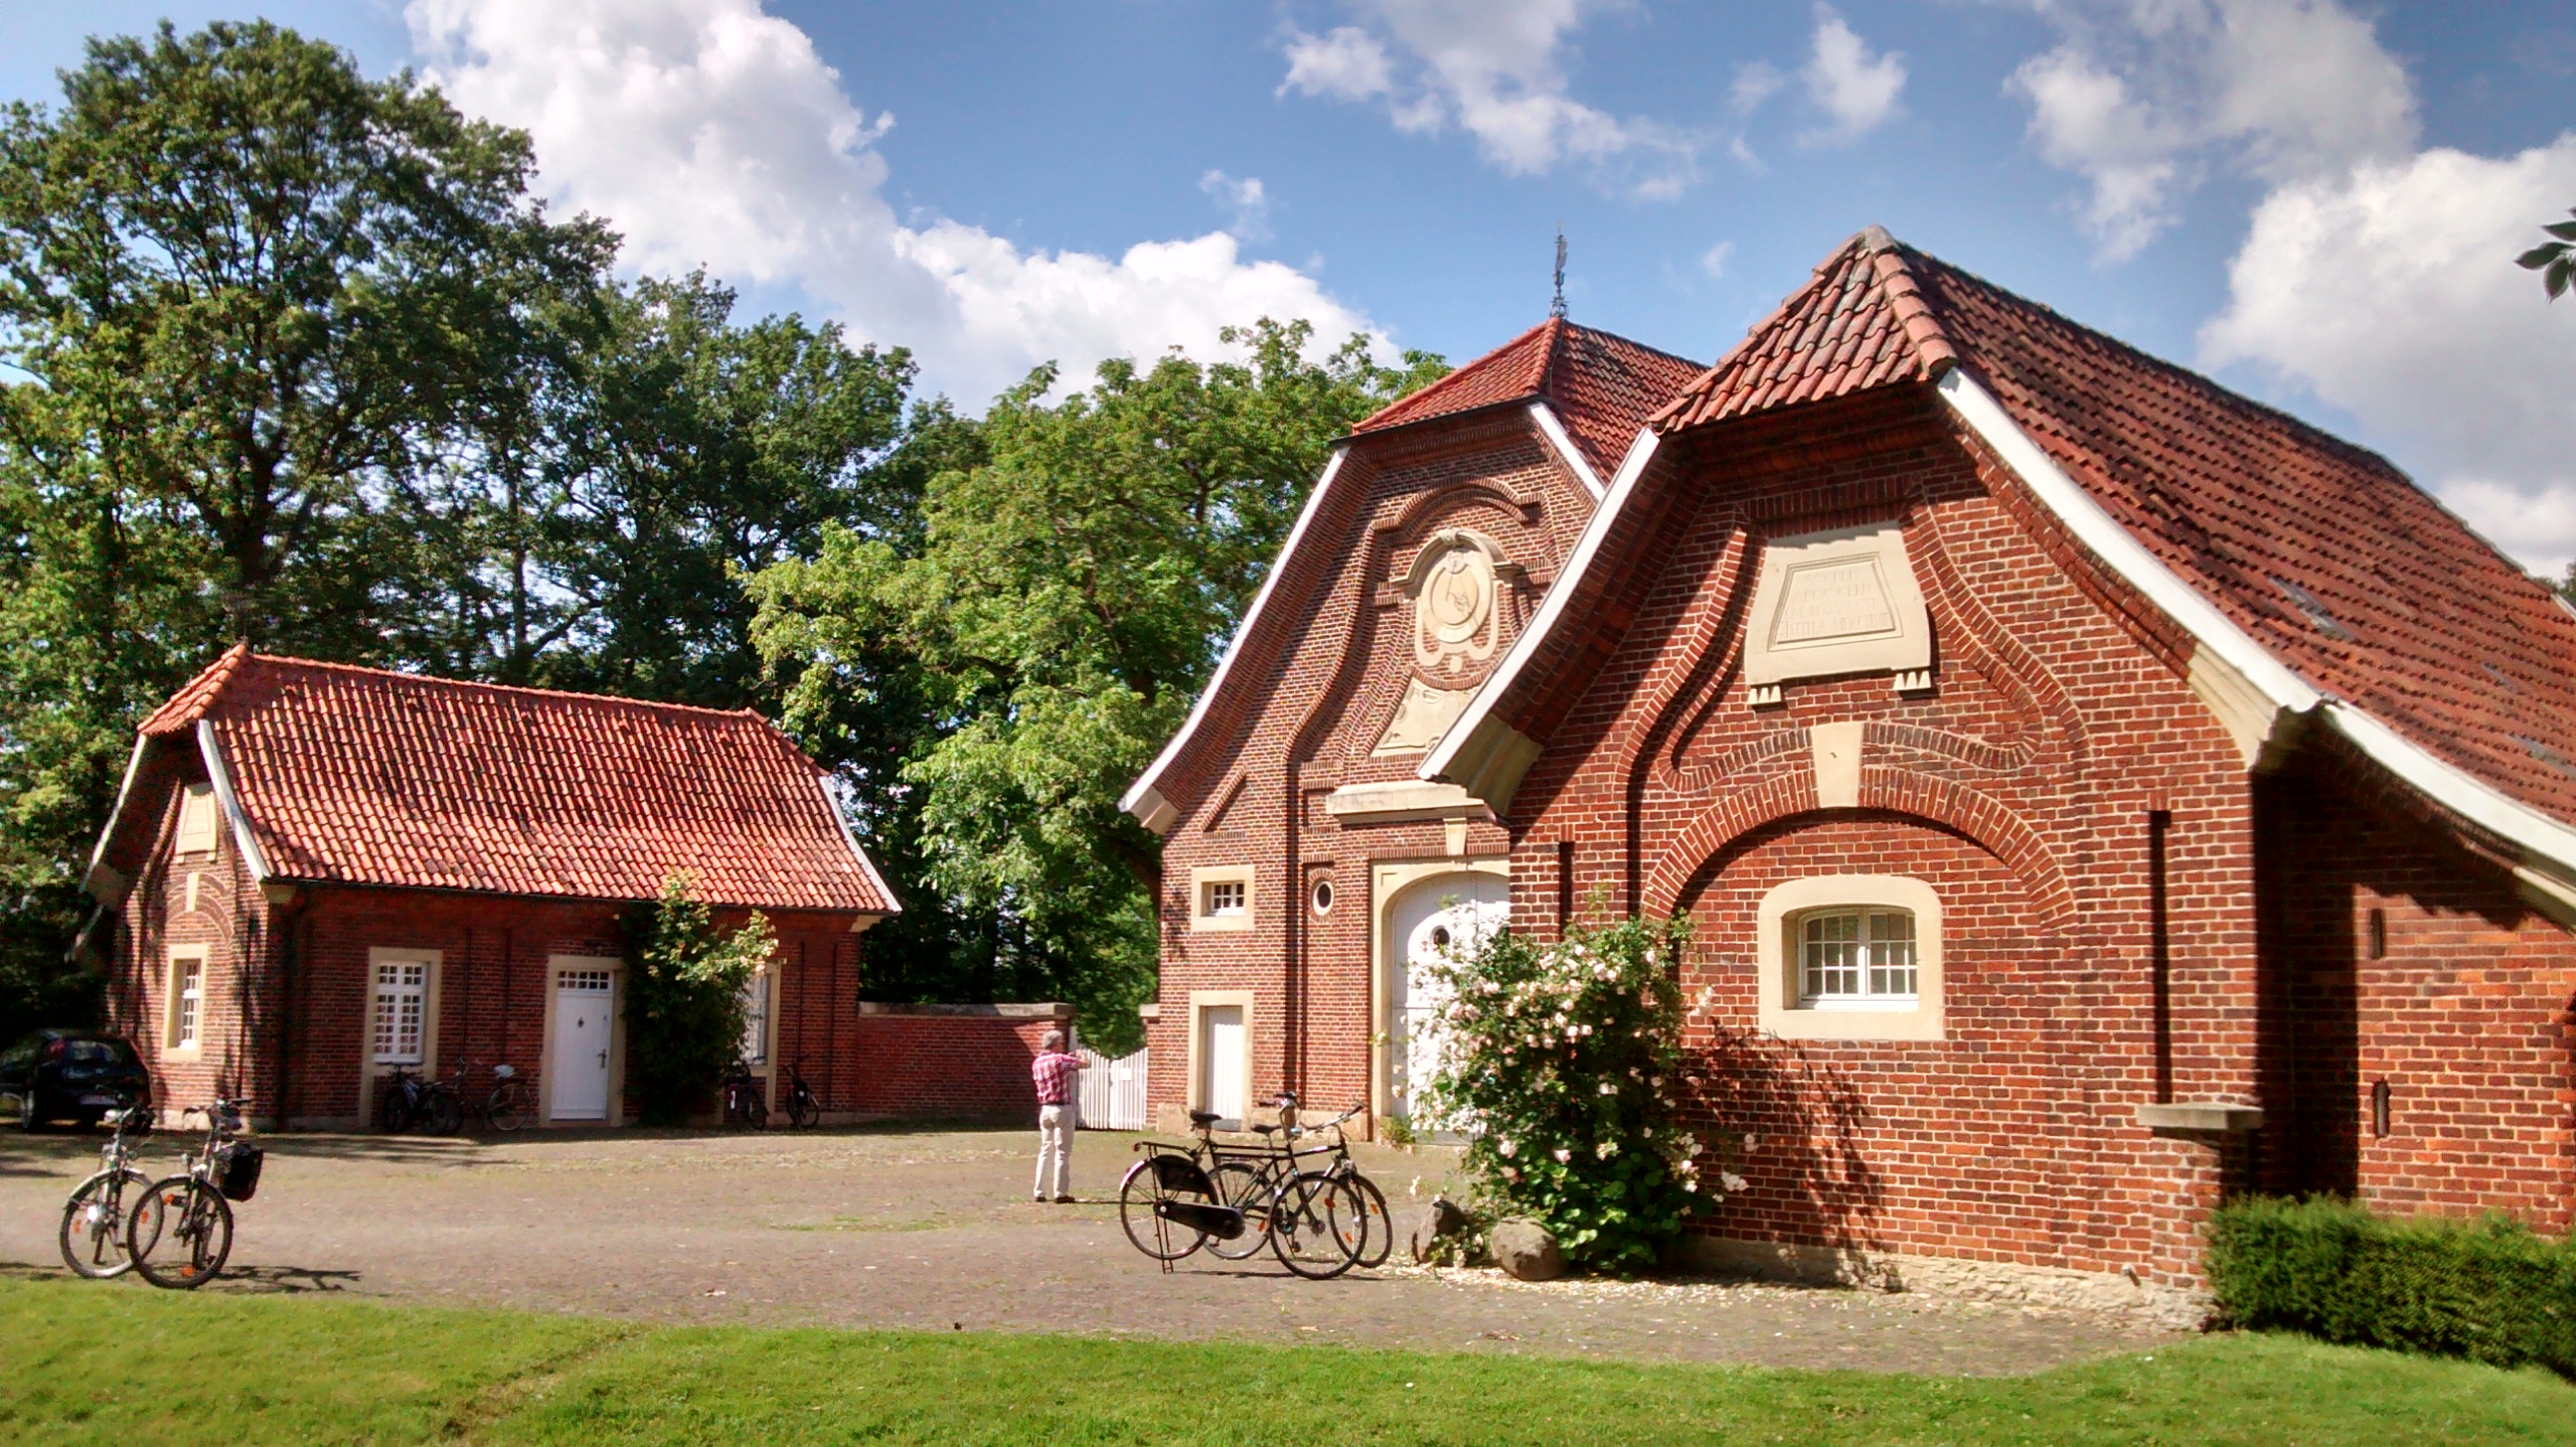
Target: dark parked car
x,y
68,1075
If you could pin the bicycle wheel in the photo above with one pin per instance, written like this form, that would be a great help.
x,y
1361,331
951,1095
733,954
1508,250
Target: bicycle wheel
x,y
1240,1184
801,1111
1164,1240
393,1113
1315,1225
93,1234
180,1233
446,1113
1377,1227
504,1109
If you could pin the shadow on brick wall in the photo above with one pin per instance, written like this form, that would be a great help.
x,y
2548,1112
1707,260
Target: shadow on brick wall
x,y
1790,1125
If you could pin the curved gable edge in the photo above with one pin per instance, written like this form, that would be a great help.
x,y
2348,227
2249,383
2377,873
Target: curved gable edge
x,y
1144,798
1485,754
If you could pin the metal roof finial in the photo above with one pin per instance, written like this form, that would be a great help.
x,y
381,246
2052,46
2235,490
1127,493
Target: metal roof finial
x,y
1556,308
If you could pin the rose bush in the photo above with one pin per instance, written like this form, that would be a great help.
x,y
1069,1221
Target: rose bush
x,y
1561,1064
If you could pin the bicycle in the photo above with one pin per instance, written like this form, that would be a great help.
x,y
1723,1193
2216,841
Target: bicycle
x,y
1251,1180
803,1107
191,1213
406,1100
94,1219
511,1104
743,1107
1315,1221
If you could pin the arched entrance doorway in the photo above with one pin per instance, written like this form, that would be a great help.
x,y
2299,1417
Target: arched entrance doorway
x,y
1422,911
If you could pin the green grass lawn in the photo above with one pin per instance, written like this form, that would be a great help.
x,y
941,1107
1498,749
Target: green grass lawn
x,y
119,1363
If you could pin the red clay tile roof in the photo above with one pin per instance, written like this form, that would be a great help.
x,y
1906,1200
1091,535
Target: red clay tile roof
x,y
358,776
2323,552
1601,386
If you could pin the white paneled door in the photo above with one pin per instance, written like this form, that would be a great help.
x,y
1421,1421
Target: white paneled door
x,y
1439,919
1222,1062
585,1013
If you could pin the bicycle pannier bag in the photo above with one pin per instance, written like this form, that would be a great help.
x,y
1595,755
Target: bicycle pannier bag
x,y
238,1176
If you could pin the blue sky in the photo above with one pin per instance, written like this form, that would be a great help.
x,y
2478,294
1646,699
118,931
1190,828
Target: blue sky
x,y
2318,202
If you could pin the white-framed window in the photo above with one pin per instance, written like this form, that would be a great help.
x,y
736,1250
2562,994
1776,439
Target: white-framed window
x,y
756,993
196,833
1851,957
400,1017
1856,959
1221,897
187,1009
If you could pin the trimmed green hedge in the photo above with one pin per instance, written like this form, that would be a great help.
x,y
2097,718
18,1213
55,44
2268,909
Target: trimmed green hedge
x,y
2489,1290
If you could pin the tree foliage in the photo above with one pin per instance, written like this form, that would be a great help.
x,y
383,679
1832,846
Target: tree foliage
x,y
2554,259
1064,603
684,999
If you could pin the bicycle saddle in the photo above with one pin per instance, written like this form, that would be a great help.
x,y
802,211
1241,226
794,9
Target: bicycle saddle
x,y
1204,1117
1260,1129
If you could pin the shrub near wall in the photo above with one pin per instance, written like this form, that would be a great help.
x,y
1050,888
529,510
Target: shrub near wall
x,y
2489,1290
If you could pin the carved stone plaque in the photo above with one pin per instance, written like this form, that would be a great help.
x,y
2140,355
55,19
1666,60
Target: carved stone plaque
x,y
1422,718
1836,602
1453,608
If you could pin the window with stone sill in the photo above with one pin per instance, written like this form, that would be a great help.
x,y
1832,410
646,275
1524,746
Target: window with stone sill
x,y
1856,959
187,1000
1224,898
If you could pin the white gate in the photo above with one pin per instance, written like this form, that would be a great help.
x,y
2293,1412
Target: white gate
x,y
1113,1091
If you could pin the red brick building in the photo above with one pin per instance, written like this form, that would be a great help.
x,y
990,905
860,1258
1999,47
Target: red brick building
x,y
316,874
2091,790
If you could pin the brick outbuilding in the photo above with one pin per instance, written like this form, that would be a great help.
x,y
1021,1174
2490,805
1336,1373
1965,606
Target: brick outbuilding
x,y
2092,791
317,873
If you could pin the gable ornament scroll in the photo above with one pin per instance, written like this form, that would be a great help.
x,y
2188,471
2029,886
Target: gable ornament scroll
x,y
1837,602
1457,593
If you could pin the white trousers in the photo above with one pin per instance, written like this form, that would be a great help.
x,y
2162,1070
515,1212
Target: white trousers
x,y
1055,1152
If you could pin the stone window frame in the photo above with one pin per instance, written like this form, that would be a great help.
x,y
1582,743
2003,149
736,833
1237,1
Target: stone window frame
x,y
174,1045
1777,958
1203,918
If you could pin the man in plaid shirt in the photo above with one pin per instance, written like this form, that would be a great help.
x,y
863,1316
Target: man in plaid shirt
x,y
1055,1073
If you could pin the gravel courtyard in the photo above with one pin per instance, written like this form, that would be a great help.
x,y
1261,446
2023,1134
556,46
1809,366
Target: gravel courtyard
x,y
933,1230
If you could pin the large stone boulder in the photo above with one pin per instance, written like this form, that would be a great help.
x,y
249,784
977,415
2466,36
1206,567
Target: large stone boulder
x,y
1437,1243
1526,1250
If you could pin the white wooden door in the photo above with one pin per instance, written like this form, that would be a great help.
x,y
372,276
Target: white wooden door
x,y
585,1013
1222,1060
1435,918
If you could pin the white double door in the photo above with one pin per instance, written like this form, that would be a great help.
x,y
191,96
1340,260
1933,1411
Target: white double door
x,y
1438,917
585,1030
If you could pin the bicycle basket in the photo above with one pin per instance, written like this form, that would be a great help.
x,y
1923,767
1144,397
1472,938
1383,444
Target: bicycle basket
x,y
237,1175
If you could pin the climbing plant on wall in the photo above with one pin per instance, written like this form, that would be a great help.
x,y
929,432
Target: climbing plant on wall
x,y
684,998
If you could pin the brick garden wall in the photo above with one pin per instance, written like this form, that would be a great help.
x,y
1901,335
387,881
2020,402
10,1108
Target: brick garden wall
x,y
952,1062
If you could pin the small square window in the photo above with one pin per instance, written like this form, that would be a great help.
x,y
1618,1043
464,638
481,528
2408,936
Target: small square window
x,y
1224,897
1856,959
1221,898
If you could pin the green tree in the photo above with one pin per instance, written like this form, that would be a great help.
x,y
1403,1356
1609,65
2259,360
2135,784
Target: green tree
x,y
684,998
1064,603
2554,259
246,297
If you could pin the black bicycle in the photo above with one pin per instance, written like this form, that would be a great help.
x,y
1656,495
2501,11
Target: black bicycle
x,y
94,1219
743,1107
803,1107
511,1104
405,1100
1251,1179
1235,1199
181,1232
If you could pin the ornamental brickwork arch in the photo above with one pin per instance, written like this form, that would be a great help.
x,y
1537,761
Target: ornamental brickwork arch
x,y
1684,866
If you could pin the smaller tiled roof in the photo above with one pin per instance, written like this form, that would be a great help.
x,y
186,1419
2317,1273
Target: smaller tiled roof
x,y
351,775
1602,386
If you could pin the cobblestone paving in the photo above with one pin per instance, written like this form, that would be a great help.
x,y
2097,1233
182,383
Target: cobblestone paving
x,y
933,1230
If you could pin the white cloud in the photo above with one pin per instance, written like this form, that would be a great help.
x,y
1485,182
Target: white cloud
x,y
1856,90
1713,261
2391,292
1246,200
1754,84
2140,97
1491,68
712,134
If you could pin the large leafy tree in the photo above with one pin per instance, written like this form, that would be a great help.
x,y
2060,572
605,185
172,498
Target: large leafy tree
x,y
247,297
1063,604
